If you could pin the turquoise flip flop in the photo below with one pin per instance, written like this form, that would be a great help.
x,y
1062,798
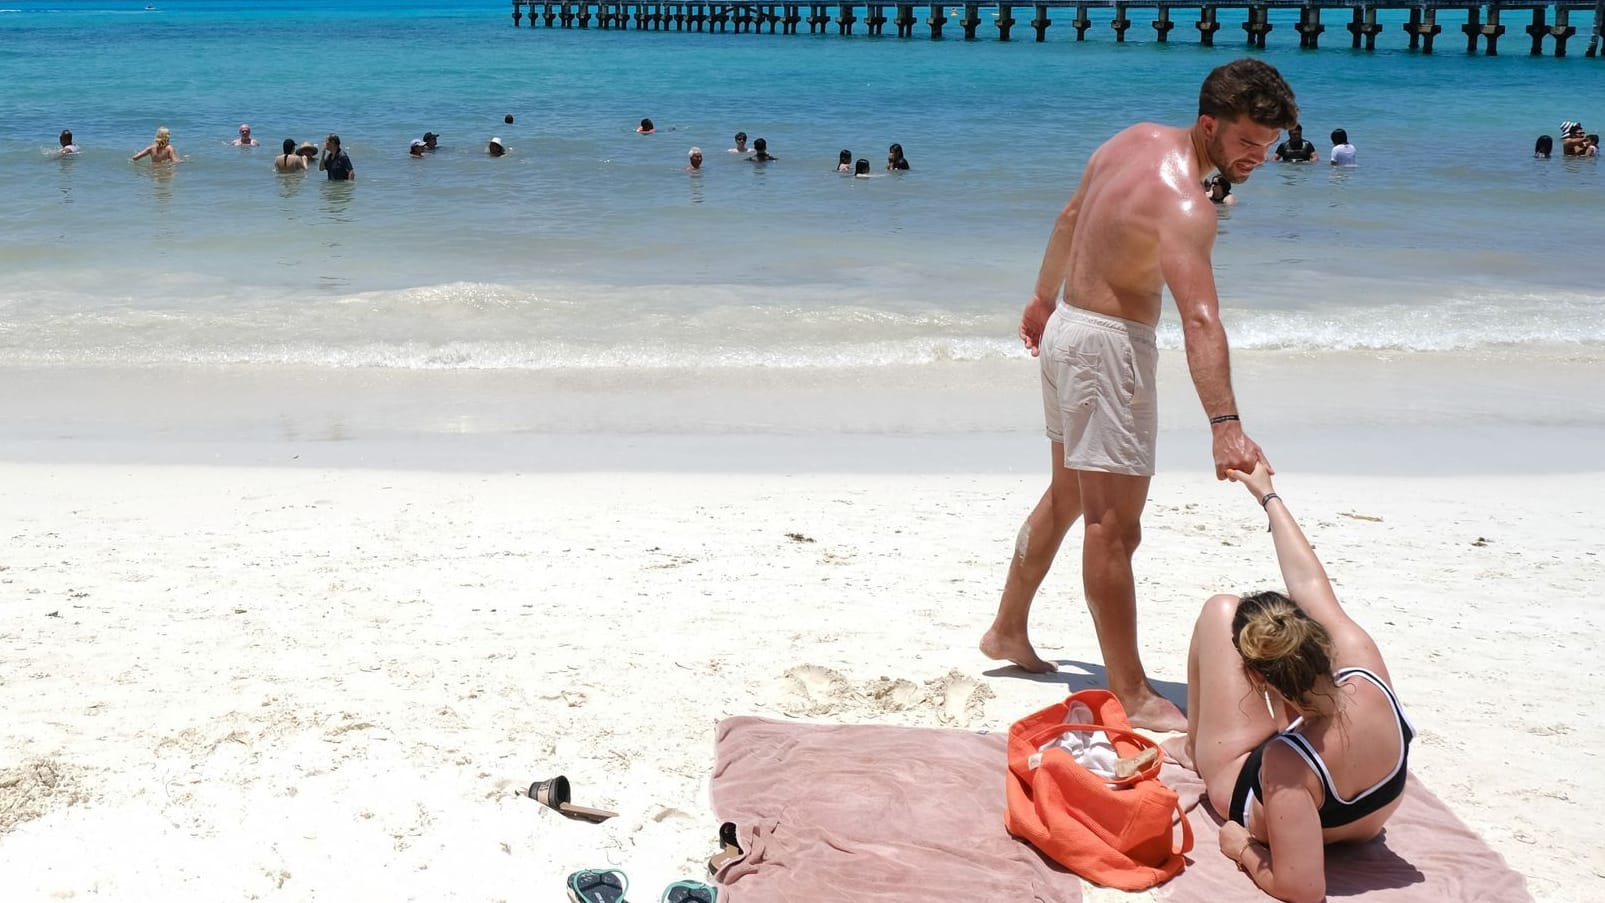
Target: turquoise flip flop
x,y
689,892
597,886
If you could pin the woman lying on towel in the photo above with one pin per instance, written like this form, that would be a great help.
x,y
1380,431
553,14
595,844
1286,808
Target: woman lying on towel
x,y
1291,719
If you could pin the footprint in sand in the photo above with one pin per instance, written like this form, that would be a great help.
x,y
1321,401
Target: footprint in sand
x,y
35,789
889,695
961,698
666,813
814,690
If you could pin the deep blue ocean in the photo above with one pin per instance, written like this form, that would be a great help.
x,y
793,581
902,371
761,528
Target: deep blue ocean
x,y
589,246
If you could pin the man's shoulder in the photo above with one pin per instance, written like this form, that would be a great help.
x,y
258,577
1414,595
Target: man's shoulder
x,y
1142,132
1132,142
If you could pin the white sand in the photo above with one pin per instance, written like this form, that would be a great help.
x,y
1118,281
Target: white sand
x,y
229,684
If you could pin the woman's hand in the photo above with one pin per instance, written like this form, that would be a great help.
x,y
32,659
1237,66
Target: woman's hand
x,y
1258,482
1234,839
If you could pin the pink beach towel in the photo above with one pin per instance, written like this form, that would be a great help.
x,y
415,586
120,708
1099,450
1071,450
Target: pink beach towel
x,y
865,812
1425,854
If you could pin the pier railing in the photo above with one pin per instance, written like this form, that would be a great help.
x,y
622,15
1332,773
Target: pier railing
x,y
1484,22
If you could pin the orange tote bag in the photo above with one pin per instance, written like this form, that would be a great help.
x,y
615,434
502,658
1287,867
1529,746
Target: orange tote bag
x,y
1115,832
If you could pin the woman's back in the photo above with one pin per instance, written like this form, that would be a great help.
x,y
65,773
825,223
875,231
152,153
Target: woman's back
x,y
1351,762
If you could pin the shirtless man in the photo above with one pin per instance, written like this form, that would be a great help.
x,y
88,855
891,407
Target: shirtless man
x,y
1139,221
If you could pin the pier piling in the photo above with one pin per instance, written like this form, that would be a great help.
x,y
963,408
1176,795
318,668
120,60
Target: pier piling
x,y
1492,32
905,20
1472,29
875,20
1563,30
845,19
1423,28
971,20
1365,27
1120,23
1005,21
1309,28
1257,26
1163,25
1207,26
1081,22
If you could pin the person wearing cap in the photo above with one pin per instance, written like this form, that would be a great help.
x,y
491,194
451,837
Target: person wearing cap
x,y
741,143
289,161
307,151
245,139
495,148
430,140
335,162
695,156
1343,153
417,148
1572,139
1295,149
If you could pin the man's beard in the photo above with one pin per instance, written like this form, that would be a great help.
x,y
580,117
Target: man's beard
x,y
1216,149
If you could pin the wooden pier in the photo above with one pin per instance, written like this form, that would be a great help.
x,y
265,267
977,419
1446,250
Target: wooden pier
x,y
1483,23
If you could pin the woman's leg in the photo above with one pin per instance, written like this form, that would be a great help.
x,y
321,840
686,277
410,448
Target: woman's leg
x,y
1226,716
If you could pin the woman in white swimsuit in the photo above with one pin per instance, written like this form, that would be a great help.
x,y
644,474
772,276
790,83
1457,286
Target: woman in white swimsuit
x,y
1291,719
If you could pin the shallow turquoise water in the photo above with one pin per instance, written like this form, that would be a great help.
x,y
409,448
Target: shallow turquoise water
x,y
590,247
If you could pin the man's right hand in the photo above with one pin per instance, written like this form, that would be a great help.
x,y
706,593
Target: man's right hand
x,y
1235,451
1033,321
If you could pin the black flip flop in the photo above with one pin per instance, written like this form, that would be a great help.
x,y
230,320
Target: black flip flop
x,y
729,848
554,795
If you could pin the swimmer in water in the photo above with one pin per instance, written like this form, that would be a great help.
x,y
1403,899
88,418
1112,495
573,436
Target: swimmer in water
x,y
161,150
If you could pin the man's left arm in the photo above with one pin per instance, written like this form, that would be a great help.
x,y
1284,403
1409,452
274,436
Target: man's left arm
x,y
1186,239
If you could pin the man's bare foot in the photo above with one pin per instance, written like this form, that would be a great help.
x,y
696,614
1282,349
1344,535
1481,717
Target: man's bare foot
x,y
1176,749
1018,650
1153,712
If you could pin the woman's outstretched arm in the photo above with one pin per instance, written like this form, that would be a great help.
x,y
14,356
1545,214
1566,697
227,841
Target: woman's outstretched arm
x,y
1306,578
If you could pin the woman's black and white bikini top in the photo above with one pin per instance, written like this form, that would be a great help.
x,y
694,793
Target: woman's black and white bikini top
x,y
1335,810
